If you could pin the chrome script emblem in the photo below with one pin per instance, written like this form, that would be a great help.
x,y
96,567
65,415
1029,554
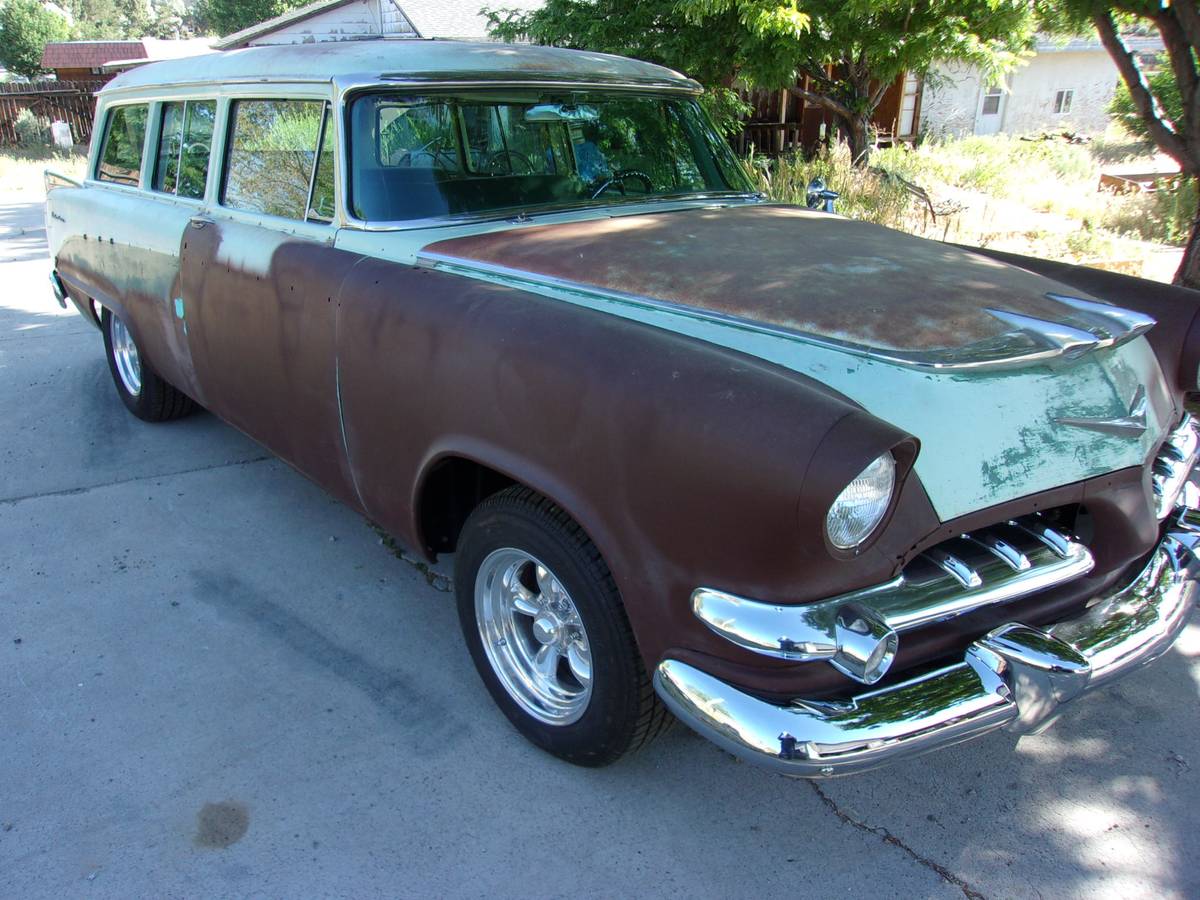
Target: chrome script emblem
x,y
1131,425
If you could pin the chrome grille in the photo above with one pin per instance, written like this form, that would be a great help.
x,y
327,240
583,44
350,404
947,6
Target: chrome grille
x,y
992,565
858,633
1173,466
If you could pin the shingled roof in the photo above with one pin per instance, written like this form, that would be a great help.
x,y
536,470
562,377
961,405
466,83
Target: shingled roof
x,y
97,54
90,54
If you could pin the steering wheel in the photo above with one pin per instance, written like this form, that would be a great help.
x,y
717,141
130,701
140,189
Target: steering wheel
x,y
441,157
490,164
618,181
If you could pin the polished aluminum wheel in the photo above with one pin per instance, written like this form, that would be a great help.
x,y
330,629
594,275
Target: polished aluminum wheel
x,y
533,636
125,355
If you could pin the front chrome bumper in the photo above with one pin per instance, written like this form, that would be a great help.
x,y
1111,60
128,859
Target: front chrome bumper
x,y
1015,677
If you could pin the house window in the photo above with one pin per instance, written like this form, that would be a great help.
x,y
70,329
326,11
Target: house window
x,y
991,100
910,93
1062,102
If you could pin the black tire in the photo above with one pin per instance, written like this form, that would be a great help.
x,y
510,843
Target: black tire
x,y
623,713
156,401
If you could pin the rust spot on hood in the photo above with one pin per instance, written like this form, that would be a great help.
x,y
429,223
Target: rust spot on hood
x,y
782,266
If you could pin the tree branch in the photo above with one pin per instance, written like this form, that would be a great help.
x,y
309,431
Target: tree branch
x,y
838,109
1189,20
1183,63
1143,100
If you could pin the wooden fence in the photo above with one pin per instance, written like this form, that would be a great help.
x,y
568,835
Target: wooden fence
x,y
73,102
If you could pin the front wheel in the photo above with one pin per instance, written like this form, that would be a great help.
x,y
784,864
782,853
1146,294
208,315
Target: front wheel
x,y
545,626
142,390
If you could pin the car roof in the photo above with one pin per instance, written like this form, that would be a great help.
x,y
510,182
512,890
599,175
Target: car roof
x,y
401,60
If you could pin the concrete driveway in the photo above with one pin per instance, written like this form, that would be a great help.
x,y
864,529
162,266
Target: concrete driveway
x,y
215,681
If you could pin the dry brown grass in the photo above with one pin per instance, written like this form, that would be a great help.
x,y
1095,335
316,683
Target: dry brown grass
x,y
1039,198
22,172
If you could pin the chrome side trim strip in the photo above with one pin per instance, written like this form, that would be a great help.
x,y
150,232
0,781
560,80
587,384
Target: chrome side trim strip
x,y
1016,677
990,566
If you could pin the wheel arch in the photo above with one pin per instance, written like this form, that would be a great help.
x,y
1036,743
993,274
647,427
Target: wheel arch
x,y
459,475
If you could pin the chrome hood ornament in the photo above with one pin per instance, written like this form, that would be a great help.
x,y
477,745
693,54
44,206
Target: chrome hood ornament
x,y
1132,425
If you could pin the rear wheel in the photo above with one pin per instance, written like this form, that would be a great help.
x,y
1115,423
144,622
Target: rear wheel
x,y
545,626
142,390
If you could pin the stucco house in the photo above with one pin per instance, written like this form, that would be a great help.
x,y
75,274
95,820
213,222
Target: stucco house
x,y
1066,86
342,20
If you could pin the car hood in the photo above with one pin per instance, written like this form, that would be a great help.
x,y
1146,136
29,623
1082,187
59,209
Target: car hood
x,y
980,360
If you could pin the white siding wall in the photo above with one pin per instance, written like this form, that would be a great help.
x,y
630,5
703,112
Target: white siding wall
x,y
394,21
342,23
951,100
1091,75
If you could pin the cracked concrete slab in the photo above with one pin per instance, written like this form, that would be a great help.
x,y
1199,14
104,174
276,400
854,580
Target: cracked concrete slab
x,y
215,680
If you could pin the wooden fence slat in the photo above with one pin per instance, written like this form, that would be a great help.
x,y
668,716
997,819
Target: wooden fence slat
x,y
73,102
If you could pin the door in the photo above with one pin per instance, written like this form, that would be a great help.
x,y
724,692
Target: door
x,y
990,118
181,149
260,285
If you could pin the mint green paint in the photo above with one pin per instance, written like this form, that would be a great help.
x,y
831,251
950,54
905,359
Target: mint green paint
x,y
179,307
986,438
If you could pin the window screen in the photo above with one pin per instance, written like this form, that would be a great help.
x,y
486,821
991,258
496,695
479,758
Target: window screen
x,y
991,101
272,155
184,146
121,154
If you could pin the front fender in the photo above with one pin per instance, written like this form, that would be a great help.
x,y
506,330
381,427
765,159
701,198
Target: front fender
x,y
684,461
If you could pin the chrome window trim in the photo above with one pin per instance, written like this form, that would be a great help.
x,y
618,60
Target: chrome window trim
x,y
104,117
225,116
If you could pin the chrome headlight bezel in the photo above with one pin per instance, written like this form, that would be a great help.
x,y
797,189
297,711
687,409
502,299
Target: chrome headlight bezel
x,y
862,505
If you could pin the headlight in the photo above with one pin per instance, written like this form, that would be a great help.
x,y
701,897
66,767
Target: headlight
x,y
860,508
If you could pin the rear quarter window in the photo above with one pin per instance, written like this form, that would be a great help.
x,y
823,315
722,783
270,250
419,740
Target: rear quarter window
x,y
124,139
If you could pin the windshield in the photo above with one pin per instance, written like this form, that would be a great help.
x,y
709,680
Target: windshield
x,y
418,157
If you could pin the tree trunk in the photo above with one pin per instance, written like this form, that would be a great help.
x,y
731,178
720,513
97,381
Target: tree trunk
x,y
857,132
1188,274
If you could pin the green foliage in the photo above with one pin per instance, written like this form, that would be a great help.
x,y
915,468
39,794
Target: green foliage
x,y
33,131
1165,89
863,193
770,43
227,16
108,19
25,28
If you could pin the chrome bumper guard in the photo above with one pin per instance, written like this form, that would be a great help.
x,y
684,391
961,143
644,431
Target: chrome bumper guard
x,y
1015,677
60,292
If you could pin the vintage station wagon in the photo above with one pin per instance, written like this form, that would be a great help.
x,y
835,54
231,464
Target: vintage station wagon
x,y
830,494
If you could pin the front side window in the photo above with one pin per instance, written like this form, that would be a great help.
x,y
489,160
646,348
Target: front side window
x,y
272,156
1062,102
184,147
415,157
124,137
